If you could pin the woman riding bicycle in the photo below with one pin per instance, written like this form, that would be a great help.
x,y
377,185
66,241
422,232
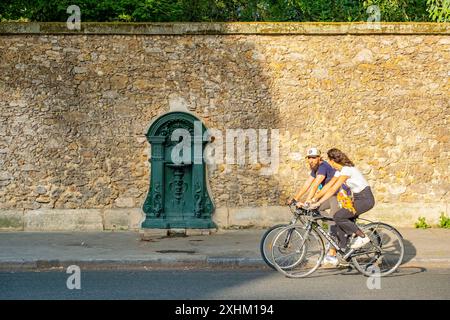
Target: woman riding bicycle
x,y
363,199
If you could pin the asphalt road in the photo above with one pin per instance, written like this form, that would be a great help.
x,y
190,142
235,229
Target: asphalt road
x,y
238,284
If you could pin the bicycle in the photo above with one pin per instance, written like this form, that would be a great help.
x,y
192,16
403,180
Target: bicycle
x,y
298,249
265,245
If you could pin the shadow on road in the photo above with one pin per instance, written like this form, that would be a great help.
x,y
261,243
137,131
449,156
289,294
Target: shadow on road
x,y
402,271
410,251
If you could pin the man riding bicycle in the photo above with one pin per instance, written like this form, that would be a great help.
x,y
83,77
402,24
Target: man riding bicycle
x,y
322,176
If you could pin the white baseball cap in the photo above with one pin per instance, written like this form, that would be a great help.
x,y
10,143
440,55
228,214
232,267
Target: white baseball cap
x,y
313,152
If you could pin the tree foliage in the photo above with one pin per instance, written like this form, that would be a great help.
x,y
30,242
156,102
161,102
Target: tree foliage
x,y
439,10
220,10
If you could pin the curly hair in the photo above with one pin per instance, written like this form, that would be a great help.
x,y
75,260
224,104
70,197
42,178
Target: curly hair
x,y
339,157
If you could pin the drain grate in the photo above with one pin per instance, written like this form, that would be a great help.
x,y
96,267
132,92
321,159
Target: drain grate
x,y
176,251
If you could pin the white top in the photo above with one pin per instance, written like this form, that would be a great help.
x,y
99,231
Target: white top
x,y
356,181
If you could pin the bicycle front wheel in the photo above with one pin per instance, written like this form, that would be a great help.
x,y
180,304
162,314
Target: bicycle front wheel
x,y
302,251
265,246
383,254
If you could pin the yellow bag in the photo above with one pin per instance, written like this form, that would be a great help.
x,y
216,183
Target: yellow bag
x,y
345,201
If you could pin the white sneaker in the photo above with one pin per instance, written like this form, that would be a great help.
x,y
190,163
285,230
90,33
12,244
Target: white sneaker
x,y
330,260
359,242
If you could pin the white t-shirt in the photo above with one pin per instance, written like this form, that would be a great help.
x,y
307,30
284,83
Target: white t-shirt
x,y
356,181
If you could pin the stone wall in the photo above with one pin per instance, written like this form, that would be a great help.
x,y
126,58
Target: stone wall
x,y
74,109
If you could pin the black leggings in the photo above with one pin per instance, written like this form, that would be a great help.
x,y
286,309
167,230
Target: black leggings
x,y
345,219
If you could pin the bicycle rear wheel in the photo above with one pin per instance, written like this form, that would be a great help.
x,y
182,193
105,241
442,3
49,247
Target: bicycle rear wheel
x,y
302,252
383,254
266,243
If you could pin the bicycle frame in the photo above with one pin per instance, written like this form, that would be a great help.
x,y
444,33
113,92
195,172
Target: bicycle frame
x,y
346,256
294,221
328,237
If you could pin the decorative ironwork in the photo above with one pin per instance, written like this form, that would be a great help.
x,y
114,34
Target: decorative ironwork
x,y
157,201
198,200
178,186
172,125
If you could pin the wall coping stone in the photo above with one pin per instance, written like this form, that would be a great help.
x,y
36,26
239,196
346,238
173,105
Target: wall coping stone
x,y
228,28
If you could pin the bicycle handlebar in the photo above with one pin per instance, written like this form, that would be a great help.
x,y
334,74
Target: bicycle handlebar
x,y
303,210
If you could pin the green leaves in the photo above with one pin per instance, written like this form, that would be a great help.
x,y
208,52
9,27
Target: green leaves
x,y
439,10
225,10
422,224
444,221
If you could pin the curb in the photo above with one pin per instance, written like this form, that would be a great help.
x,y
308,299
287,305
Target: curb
x,y
170,263
158,262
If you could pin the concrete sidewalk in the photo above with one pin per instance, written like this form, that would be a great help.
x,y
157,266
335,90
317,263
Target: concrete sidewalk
x,y
226,248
